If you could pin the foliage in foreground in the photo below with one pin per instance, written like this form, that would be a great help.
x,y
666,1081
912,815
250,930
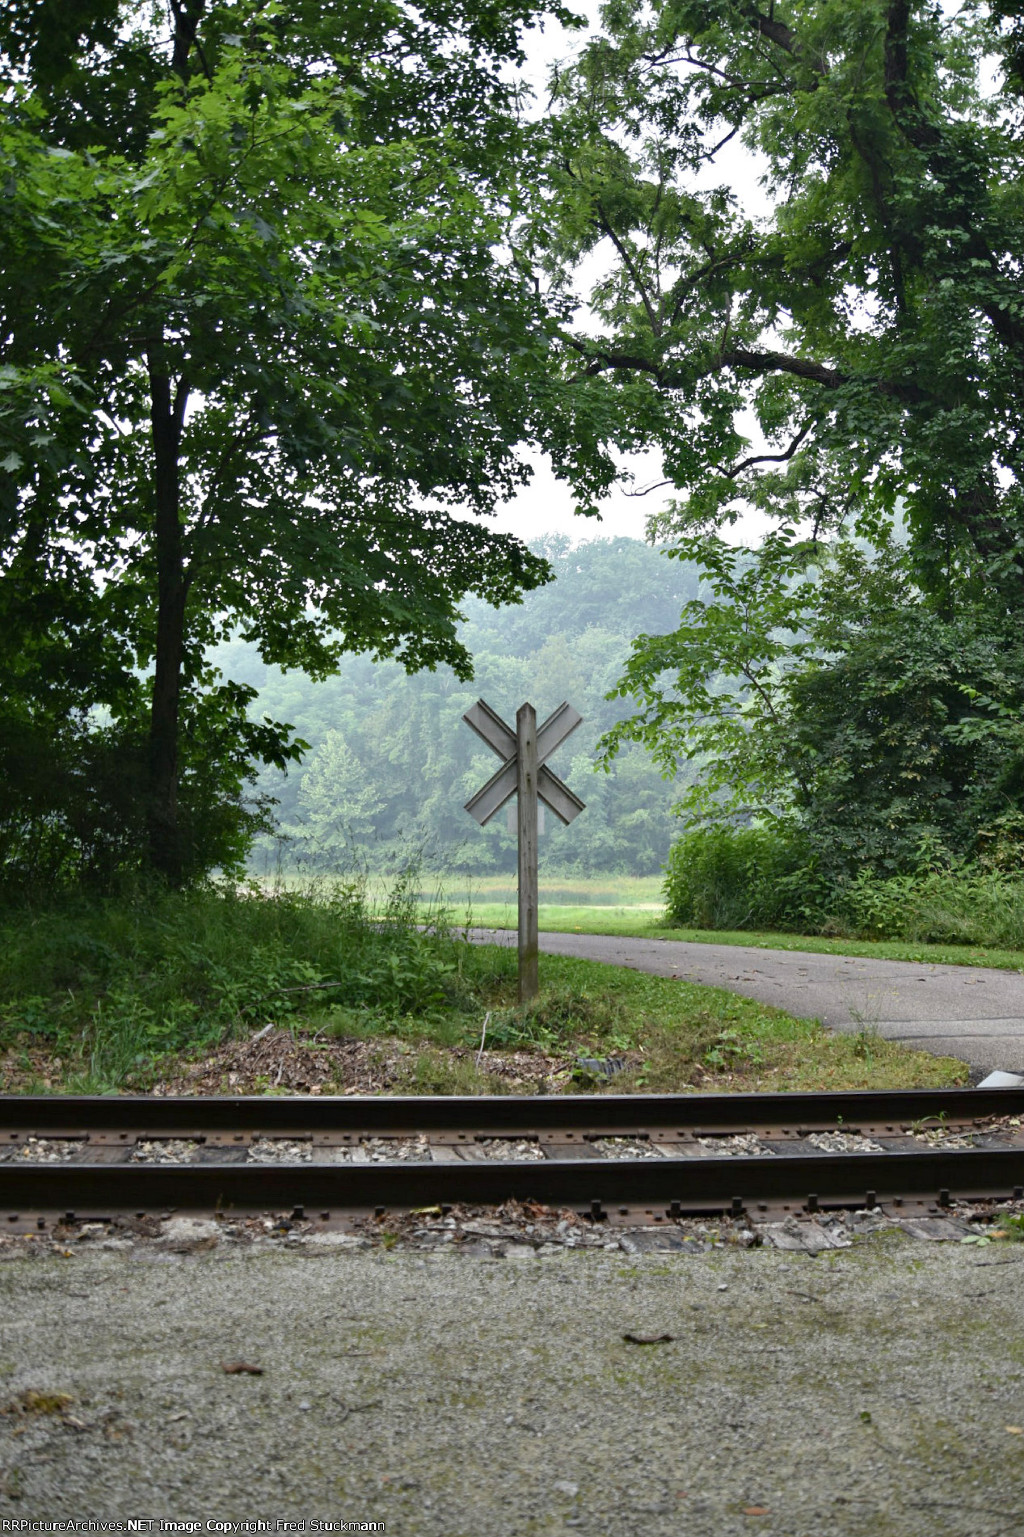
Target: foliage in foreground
x,y
859,299
114,997
113,986
867,318
815,689
264,348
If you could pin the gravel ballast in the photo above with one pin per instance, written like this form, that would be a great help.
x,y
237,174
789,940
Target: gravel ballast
x,y
875,1389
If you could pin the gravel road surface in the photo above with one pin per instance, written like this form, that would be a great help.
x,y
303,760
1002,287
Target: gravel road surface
x,y
876,1391
971,1012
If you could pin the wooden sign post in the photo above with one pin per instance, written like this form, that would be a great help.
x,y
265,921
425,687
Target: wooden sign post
x,y
525,774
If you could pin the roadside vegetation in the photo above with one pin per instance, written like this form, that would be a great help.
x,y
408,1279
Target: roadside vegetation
x,y
759,878
229,632
965,919
222,991
641,923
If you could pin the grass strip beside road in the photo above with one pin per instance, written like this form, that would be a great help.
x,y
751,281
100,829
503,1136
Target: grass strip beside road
x,y
680,1036
642,923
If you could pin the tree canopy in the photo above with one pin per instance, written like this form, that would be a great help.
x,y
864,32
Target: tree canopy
x,y
862,307
265,363
807,221
288,289
813,690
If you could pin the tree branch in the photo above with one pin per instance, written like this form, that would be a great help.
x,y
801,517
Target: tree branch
x,y
745,464
686,286
599,361
185,17
782,362
653,318
775,31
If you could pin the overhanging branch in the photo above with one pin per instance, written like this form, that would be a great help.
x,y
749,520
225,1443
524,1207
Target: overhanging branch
x,y
752,459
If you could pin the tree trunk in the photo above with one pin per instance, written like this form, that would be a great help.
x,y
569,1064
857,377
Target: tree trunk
x,y
164,835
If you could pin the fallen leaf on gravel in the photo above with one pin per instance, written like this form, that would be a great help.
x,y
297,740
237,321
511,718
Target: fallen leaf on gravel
x,y
33,1402
1015,1430
649,1339
756,1510
240,1368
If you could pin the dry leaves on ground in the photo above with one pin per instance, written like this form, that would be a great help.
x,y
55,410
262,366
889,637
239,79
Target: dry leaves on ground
x,y
303,1065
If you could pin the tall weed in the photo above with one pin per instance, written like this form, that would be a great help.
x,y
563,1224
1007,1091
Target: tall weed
x,y
968,905
117,983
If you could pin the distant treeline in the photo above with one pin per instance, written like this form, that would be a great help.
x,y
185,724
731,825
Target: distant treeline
x,y
390,762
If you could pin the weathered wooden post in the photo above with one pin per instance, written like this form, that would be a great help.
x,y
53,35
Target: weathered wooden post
x,y
526,790
524,772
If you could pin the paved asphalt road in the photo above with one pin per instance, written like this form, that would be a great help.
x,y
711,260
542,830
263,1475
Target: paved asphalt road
x,y
971,1012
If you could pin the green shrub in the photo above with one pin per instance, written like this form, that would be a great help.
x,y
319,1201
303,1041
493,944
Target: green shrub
x,y
741,878
733,878
965,905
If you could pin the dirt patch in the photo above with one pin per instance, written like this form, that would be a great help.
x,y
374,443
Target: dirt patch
x,y
31,1070
280,1062
290,1064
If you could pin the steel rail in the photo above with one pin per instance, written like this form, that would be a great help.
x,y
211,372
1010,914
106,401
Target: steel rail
x,y
795,1174
392,1115
678,1186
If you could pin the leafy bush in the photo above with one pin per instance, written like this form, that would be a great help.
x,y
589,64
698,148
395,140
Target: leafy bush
x,y
759,878
968,905
740,878
73,798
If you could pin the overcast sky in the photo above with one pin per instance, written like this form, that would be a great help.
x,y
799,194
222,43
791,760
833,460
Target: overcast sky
x,y
546,507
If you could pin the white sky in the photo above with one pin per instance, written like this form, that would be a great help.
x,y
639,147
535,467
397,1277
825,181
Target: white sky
x,y
546,505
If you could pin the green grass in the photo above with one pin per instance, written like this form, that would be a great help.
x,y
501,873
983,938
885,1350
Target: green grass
x,y
460,891
675,1037
642,923
880,949
110,987
119,995
694,1037
559,918
614,891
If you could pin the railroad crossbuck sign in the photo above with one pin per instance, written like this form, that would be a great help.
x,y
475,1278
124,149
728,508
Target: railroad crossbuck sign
x,y
524,773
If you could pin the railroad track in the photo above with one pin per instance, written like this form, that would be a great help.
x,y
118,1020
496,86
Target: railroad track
x,y
632,1158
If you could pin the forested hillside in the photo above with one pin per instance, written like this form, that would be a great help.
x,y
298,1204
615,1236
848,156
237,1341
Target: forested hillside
x,y
390,762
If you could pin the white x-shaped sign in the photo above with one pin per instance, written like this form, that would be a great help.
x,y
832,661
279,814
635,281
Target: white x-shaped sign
x,y
502,740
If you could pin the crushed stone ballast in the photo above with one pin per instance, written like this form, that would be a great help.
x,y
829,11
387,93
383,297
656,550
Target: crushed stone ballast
x,y
647,1158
